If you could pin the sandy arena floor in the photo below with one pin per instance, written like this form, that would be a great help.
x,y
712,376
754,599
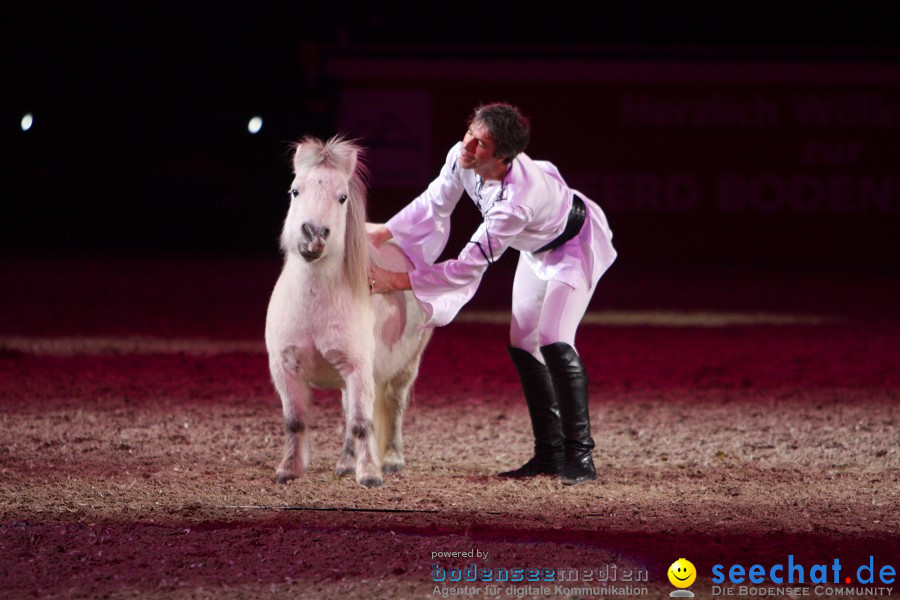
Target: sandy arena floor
x,y
139,434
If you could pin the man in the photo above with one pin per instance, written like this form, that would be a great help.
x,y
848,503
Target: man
x,y
565,246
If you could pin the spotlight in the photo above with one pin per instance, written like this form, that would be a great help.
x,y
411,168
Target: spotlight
x,y
27,121
255,125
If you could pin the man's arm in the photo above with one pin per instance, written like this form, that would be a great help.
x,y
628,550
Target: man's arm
x,y
382,281
378,234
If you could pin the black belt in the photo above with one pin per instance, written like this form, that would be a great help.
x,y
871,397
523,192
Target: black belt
x,y
573,226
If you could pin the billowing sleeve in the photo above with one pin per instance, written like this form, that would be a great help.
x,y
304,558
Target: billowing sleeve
x,y
444,288
423,227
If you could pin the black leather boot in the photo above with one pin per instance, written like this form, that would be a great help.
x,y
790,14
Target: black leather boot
x,y
570,384
545,421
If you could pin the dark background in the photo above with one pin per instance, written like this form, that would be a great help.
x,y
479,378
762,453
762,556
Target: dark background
x,y
140,143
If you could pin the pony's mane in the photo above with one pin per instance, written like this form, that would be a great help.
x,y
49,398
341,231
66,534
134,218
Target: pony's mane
x,y
344,156
336,153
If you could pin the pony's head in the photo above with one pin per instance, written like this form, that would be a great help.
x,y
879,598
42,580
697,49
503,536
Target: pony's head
x,y
326,220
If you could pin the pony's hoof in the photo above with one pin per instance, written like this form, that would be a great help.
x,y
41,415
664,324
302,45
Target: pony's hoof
x,y
393,465
283,477
369,476
370,482
345,466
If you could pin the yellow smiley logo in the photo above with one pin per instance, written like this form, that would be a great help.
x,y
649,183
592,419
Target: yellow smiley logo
x,y
682,573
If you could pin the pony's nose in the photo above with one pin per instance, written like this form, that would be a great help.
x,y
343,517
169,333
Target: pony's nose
x,y
311,232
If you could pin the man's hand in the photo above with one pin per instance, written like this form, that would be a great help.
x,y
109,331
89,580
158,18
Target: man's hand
x,y
378,234
382,281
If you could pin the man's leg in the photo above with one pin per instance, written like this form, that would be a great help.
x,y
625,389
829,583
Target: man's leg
x,y
528,296
527,304
563,309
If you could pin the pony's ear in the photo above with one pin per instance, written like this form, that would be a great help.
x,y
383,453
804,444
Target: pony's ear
x,y
351,160
345,154
298,154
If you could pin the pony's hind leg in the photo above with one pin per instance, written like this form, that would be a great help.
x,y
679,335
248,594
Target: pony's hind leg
x,y
346,463
391,406
295,396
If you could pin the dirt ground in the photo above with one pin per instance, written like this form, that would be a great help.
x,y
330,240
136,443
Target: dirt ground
x,y
139,434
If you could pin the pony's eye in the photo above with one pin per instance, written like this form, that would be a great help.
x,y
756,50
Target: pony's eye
x,y
342,198
294,193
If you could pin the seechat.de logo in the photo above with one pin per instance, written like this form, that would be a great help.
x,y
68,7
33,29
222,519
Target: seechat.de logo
x,y
795,573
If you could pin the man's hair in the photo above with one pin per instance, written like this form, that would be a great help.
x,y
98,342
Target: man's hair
x,y
508,127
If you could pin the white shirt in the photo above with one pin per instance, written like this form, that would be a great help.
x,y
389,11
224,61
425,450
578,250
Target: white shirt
x,y
524,211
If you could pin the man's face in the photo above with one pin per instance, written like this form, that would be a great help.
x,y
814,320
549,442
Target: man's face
x,y
478,150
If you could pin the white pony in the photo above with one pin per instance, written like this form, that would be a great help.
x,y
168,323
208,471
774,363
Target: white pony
x,y
325,330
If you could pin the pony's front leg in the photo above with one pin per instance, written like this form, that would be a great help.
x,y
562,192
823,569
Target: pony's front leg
x,y
295,396
360,430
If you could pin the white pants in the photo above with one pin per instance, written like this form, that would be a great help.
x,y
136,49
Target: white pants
x,y
544,312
